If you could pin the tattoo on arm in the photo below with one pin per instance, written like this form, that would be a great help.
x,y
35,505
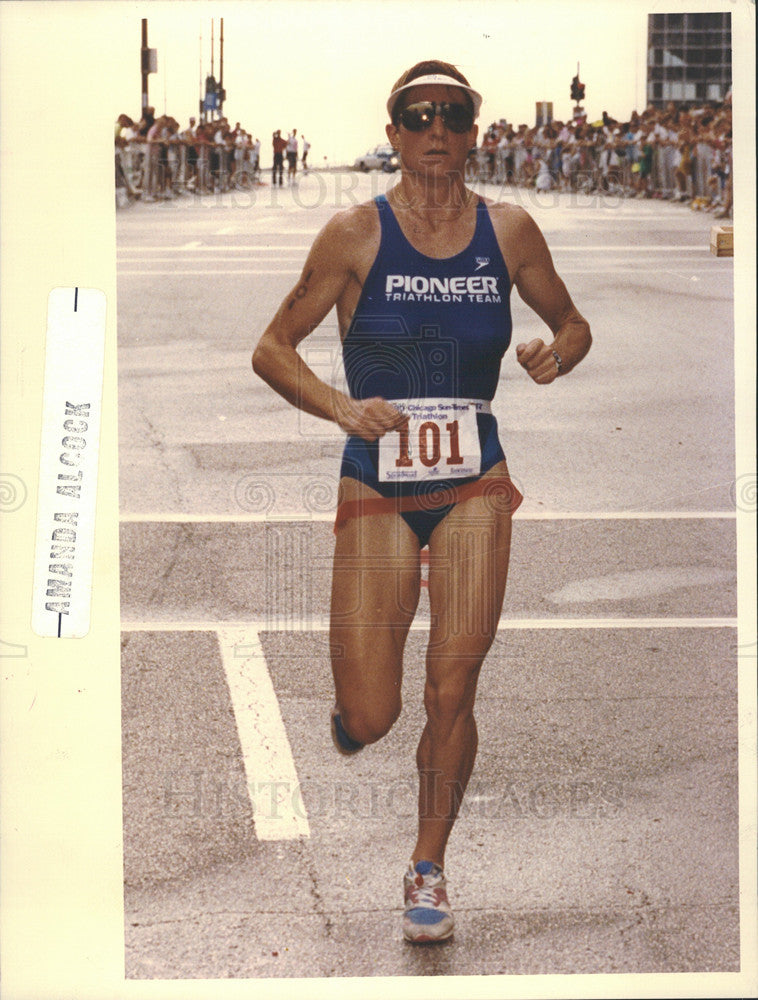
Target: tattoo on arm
x,y
301,290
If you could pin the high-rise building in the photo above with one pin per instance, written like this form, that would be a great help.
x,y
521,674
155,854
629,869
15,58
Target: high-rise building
x,y
689,58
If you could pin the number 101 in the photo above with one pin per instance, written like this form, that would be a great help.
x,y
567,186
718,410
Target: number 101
x,y
430,445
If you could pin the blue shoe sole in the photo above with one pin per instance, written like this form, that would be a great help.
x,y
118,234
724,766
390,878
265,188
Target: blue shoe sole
x,y
344,744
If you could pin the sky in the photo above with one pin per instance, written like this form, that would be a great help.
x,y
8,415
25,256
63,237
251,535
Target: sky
x,y
326,68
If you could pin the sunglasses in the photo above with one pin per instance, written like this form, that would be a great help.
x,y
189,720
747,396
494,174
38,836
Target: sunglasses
x,y
417,117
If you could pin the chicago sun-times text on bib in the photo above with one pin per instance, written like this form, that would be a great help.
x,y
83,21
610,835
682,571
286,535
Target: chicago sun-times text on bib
x,y
439,440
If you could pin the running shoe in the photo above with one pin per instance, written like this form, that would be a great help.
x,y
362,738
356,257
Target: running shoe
x,y
428,916
345,744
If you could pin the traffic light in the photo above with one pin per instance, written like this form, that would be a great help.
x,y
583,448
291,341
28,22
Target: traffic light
x,y
577,90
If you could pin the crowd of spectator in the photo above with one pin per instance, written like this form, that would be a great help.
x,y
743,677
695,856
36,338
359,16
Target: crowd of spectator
x,y
677,153
155,158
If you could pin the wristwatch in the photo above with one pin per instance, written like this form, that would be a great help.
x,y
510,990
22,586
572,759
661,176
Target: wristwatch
x,y
558,362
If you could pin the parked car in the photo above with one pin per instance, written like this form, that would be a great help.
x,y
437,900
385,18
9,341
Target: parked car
x,y
379,158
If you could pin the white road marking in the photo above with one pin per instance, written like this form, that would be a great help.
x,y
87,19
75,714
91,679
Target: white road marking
x,y
198,245
640,583
294,517
215,265
224,248
278,809
554,248
283,230
631,271
621,269
206,271
420,624
215,261
626,515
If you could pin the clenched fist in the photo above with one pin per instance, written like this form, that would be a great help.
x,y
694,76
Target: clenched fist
x,y
538,360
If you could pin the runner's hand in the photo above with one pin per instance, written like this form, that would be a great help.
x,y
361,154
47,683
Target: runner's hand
x,y
536,358
369,418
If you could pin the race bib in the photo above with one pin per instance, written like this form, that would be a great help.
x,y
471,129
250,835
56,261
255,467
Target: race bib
x,y
440,440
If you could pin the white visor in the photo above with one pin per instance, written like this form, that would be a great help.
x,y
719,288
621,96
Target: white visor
x,y
439,78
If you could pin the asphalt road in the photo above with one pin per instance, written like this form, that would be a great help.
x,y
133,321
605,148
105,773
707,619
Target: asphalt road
x,y
599,833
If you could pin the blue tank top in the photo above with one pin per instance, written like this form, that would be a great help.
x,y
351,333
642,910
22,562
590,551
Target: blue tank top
x,y
429,328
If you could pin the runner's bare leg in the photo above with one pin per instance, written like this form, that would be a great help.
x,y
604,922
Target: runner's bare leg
x,y
375,591
469,552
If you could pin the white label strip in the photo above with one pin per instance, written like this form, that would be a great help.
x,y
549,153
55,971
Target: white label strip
x,y
71,411
278,807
